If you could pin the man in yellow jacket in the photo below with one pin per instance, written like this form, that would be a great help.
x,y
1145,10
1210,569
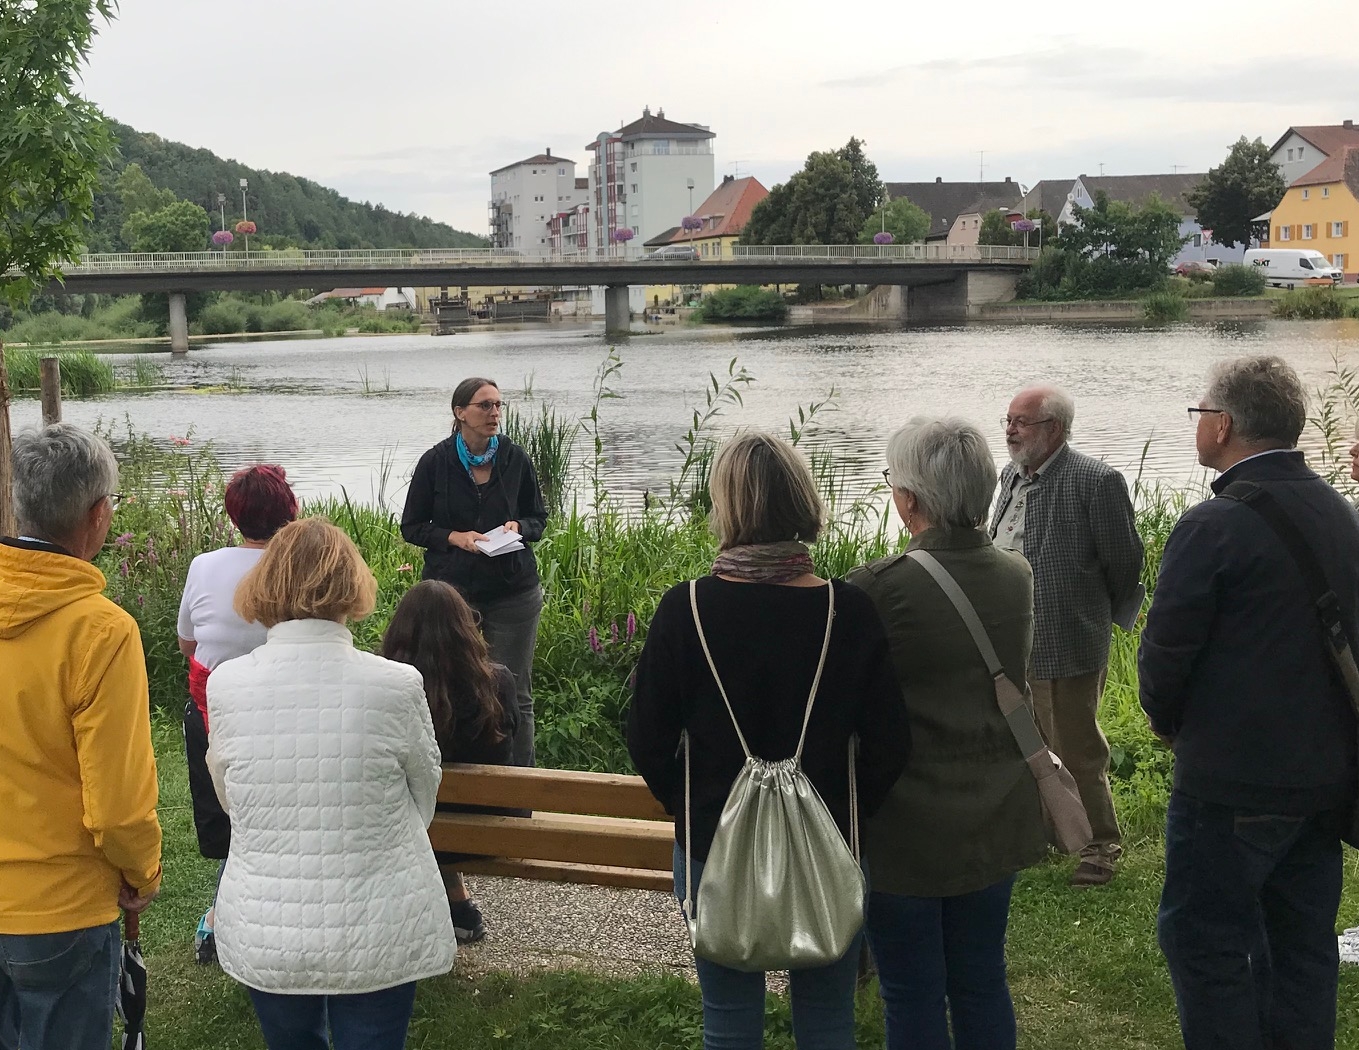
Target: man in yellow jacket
x,y
79,837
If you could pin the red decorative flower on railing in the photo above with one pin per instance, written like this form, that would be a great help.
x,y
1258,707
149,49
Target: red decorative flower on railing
x,y
691,223
245,227
883,238
222,238
623,236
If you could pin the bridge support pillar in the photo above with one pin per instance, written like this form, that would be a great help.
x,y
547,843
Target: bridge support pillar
x,y
617,314
179,324
960,298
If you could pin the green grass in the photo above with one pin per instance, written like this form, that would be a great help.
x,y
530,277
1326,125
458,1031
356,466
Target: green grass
x,y
1165,306
83,374
1085,971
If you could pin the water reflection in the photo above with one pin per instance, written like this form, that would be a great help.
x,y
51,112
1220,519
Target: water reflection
x,y
303,403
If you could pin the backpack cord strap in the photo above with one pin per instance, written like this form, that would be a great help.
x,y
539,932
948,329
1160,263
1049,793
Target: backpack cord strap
x,y
820,666
853,800
703,641
688,837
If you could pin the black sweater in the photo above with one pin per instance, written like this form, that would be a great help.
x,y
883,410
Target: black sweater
x,y
443,498
1232,663
765,640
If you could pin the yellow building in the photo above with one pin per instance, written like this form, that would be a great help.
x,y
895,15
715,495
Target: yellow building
x,y
722,217
1321,211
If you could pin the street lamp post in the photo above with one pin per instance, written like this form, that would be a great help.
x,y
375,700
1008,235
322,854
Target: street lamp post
x,y
221,204
245,185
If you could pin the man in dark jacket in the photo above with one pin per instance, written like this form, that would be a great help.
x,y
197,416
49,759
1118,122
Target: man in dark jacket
x,y
1236,678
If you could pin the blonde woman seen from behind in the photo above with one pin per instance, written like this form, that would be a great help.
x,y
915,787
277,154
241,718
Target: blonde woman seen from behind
x,y
764,613
331,906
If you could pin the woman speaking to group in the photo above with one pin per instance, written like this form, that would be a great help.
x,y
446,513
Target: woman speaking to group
x,y
466,486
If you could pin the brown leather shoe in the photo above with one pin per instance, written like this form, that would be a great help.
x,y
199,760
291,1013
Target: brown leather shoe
x,y
1089,873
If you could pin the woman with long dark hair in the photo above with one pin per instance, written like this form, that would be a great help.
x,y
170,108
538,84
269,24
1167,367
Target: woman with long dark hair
x,y
471,700
469,484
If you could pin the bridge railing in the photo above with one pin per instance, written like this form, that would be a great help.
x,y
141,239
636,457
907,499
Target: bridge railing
x,y
332,260
953,253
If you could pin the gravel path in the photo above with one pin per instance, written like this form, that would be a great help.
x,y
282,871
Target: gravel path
x,y
556,926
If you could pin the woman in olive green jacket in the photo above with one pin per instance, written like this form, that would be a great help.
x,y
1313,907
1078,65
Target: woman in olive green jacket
x,y
964,817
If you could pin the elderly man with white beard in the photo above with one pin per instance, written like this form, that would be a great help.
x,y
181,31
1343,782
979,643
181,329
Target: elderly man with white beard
x,y
1071,517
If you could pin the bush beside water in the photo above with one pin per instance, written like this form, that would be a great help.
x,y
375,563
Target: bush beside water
x,y
747,302
1236,280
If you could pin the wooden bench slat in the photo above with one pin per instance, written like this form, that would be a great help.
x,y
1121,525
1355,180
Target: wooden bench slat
x,y
556,871
554,790
611,841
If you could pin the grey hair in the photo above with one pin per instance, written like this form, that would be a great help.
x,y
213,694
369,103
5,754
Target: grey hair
x,y
948,467
60,472
1264,397
1059,405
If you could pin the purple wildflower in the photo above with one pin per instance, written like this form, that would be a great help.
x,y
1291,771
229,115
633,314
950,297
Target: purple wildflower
x,y
613,632
141,600
632,625
125,539
594,641
124,568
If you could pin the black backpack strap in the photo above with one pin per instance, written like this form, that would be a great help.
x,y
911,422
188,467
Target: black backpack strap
x,y
1324,599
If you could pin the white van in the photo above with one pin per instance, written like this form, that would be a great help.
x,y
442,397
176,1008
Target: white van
x,y
1290,267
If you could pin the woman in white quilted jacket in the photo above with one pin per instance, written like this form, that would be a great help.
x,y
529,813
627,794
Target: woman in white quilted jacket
x,y
331,906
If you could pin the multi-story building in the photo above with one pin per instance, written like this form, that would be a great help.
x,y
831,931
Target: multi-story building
x,y
1321,211
1302,148
721,218
646,177
526,196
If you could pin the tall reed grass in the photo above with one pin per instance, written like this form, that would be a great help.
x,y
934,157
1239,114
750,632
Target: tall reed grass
x,y
83,374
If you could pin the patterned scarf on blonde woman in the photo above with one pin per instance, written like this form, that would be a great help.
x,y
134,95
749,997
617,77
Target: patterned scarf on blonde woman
x,y
764,562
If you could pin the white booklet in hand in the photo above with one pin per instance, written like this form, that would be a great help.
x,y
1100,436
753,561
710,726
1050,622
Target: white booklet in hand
x,y
500,541
1125,615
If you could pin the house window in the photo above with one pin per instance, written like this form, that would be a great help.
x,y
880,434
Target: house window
x,y
1307,231
1338,261
1290,154
1325,191
634,187
561,171
1337,229
1300,149
662,146
1198,240
1306,194
634,165
1285,233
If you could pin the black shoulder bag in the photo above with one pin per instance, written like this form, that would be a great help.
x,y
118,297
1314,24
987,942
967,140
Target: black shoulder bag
x,y
1325,602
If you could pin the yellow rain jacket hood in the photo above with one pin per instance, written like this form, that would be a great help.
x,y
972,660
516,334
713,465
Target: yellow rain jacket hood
x,y
77,772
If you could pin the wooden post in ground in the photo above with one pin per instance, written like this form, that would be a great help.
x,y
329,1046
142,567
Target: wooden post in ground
x,y
7,525
51,391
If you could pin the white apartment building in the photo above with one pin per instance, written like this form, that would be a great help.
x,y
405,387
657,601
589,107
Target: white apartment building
x,y
526,196
646,177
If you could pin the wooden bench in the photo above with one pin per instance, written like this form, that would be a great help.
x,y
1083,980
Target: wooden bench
x,y
598,828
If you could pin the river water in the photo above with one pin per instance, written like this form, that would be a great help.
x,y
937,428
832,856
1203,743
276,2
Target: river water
x,y
302,402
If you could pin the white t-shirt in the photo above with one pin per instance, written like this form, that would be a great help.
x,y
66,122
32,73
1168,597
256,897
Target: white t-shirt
x,y
205,612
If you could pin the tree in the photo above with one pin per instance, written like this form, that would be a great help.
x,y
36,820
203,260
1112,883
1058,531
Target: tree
x,y
136,193
53,143
178,227
906,222
1243,186
996,229
827,202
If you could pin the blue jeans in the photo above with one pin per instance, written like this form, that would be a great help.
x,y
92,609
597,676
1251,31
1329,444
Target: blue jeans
x,y
57,990
733,1000
1247,925
942,956
370,1021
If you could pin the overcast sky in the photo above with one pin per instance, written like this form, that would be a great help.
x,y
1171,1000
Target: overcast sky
x,y
411,103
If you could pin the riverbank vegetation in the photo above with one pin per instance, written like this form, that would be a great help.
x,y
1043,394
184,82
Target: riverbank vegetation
x,y
1084,966
1317,304
56,319
746,302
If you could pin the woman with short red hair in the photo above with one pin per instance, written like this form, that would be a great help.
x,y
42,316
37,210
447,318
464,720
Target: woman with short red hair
x,y
259,502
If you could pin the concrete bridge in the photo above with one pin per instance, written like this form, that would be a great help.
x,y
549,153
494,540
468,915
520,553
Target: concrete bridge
x,y
936,282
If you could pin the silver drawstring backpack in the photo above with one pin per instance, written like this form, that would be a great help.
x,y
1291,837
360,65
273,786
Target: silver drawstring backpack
x,y
780,889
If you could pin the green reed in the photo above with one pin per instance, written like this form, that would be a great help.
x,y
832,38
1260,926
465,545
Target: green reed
x,y
83,374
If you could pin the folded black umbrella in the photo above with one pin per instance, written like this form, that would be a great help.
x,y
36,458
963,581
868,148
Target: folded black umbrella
x,y
132,985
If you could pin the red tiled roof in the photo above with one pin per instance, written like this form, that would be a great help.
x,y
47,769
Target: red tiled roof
x,y
727,210
1329,138
1330,170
